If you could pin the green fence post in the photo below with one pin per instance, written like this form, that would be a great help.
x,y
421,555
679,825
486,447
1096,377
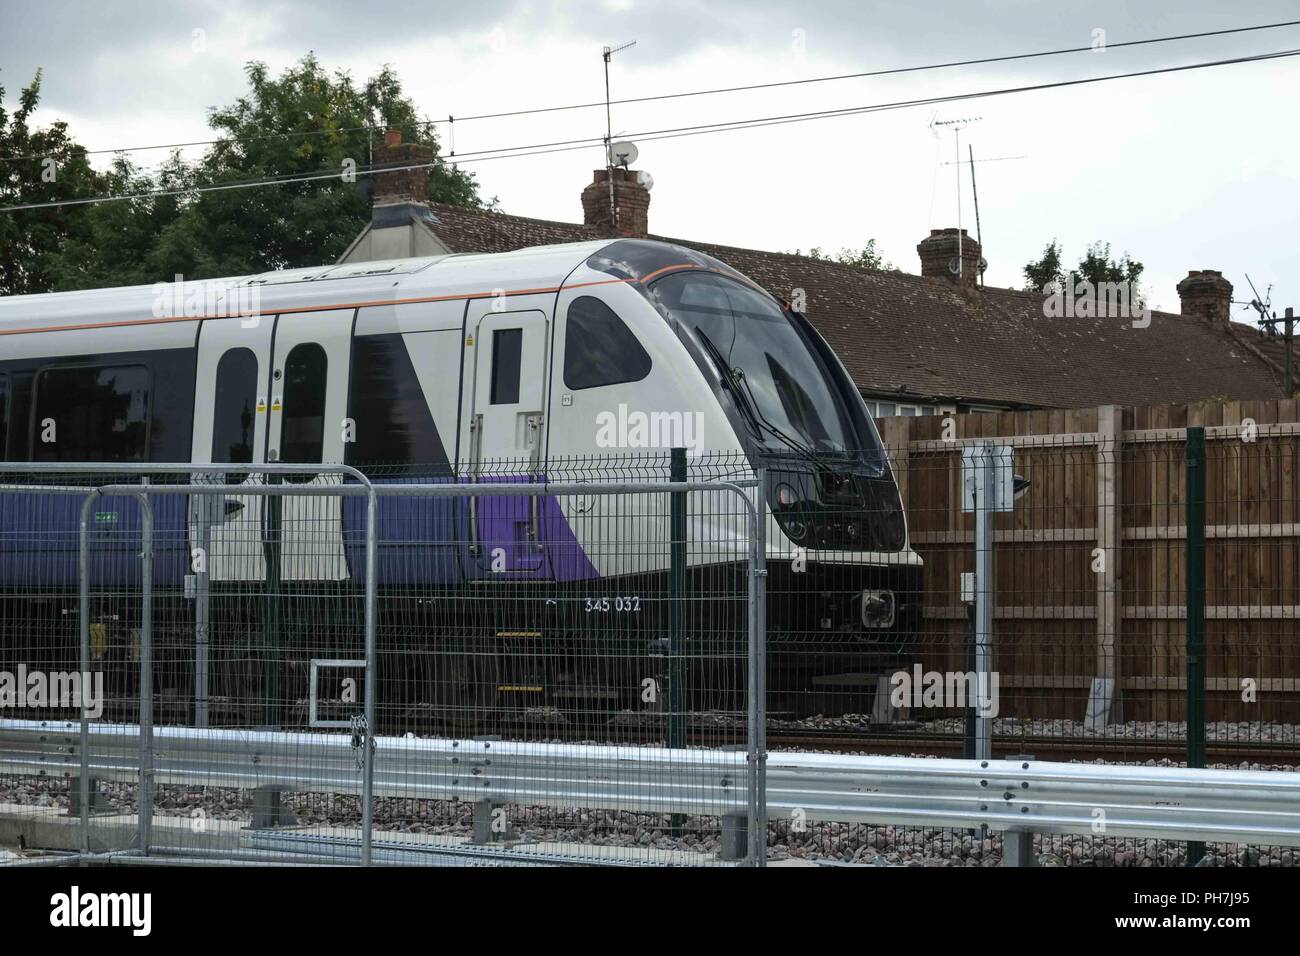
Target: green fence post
x,y
1195,460
677,610
271,621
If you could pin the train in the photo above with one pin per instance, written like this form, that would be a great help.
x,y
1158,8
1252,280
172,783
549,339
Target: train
x,y
573,362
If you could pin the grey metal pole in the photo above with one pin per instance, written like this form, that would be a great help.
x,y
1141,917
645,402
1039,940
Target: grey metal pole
x,y
145,802
677,702
368,774
206,513
83,622
758,657
984,478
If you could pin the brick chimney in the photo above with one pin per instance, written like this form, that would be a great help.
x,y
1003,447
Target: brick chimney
x,y
631,213
401,185
1205,292
938,252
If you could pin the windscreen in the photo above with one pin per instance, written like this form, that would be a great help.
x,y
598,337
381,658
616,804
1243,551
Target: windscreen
x,y
766,357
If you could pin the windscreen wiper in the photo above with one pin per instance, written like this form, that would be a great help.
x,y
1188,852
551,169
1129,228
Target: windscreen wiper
x,y
799,447
729,378
749,405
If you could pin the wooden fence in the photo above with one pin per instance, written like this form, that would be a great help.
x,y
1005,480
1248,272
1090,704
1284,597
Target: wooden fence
x,y
1090,567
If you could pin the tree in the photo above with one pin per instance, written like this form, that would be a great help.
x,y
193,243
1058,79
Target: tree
x,y
306,122
868,257
118,242
1095,268
1045,271
37,166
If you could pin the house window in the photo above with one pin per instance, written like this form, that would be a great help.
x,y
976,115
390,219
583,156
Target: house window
x,y
91,413
599,348
507,355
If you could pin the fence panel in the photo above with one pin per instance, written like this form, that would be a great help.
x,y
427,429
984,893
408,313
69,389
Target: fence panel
x,y
1091,595
546,665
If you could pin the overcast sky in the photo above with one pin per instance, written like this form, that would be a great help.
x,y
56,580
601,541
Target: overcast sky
x,y
1184,171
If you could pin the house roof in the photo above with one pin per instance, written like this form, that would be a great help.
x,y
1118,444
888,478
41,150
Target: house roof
x,y
903,334
1271,347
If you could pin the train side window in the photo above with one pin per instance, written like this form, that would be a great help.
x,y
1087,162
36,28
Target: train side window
x,y
233,402
599,348
4,415
507,354
302,429
91,413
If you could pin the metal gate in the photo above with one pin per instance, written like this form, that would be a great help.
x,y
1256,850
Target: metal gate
x,y
595,701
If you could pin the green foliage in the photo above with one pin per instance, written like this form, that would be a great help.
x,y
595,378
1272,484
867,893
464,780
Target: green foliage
x,y
1096,267
305,122
868,257
1046,271
37,166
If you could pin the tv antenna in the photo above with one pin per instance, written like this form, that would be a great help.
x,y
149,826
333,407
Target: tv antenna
x,y
1269,321
956,125
606,54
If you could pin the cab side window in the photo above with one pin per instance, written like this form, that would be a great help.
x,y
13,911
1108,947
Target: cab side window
x,y
599,348
302,437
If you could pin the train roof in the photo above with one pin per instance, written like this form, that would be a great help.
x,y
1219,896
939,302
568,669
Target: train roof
x,y
341,285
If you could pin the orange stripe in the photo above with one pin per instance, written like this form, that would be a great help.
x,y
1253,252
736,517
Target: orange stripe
x,y
685,265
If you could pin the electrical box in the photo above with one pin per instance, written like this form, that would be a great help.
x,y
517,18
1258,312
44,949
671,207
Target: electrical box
x,y
975,462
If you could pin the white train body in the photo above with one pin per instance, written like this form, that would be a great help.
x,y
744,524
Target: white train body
x,y
549,363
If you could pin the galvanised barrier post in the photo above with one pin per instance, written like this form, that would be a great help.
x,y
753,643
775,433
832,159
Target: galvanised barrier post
x,y
757,653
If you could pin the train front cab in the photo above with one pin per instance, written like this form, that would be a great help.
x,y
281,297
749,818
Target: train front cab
x,y
844,587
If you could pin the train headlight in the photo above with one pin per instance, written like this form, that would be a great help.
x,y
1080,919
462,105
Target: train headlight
x,y
878,609
786,496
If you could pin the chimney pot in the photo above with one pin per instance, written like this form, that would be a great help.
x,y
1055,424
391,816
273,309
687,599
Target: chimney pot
x,y
392,137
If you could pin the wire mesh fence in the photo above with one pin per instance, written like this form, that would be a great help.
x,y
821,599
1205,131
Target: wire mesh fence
x,y
1136,616
531,662
529,630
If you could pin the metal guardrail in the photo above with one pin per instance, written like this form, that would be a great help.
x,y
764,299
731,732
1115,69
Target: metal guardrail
x,y
1018,796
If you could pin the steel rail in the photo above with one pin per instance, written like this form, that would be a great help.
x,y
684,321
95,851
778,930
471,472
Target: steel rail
x,y
1235,806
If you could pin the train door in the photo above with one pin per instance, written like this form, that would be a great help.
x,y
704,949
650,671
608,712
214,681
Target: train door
x,y
307,424
506,430
232,381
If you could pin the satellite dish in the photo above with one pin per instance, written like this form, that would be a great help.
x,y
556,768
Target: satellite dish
x,y
954,266
622,154
646,180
